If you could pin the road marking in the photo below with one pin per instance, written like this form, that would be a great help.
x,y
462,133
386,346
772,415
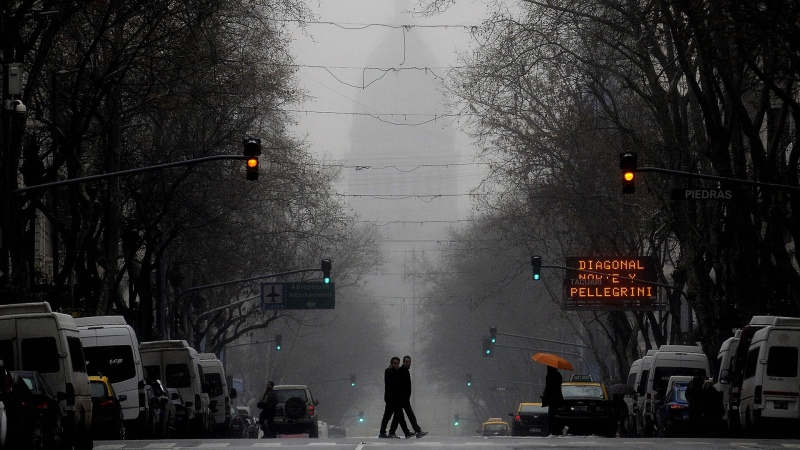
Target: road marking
x,y
161,445
214,445
267,444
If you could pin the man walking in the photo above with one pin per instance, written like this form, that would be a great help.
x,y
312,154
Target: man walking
x,y
552,398
405,401
391,395
268,403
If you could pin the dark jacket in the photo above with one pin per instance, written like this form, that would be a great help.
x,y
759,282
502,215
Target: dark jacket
x,y
268,403
391,378
404,383
552,388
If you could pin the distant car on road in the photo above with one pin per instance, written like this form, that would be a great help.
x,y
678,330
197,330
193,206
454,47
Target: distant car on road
x,y
495,426
252,424
672,416
530,419
296,411
107,418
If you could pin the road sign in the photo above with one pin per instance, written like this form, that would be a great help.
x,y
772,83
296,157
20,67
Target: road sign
x,y
702,194
310,295
272,296
597,283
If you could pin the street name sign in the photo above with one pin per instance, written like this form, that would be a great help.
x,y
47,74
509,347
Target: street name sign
x,y
702,194
596,283
298,295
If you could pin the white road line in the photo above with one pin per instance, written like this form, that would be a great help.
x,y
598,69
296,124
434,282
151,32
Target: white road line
x,y
214,445
161,445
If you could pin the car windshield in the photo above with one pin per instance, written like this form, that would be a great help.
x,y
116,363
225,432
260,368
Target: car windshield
x,y
286,394
582,391
98,389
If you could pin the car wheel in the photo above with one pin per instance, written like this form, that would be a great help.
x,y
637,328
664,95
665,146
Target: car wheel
x,y
121,434
313,432
295,408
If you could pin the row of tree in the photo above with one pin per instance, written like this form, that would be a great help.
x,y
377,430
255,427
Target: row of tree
x,y
557,90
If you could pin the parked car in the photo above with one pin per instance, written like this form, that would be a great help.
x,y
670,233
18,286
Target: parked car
x,y
162,411
252,423
6,386
587,409
672,416
41,413
296,410
183,412
108,421
240,426
495,426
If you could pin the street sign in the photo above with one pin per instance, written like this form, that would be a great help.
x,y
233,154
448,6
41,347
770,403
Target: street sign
x,y
272,296
702,194
310,295
597,284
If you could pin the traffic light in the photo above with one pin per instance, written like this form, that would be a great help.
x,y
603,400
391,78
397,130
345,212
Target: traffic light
x,y
278,339
493,334
326,270
361,416
536,263
469,380
252,150
252,168
488,348
353,380
628,162
455,420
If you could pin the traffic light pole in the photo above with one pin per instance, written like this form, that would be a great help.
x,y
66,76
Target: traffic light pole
x,y
717,178
542,339
103,176
546,350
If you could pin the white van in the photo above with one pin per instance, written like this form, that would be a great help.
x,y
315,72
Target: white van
x,y
668,361
218,393
111,349
178,365
630,400
771,387
640,384
725,356
33,337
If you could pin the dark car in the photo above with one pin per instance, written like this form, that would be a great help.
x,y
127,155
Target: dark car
x,y
252,423
162,412
672,416
183,411
107,418
40,411
530,419
296,411
587,409
240,425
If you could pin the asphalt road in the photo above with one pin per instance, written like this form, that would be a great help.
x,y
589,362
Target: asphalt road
x,y
447,442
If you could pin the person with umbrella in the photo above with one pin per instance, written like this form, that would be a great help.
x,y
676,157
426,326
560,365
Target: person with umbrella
x,y
552,397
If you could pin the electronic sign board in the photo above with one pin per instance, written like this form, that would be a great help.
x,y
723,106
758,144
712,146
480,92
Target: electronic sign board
x,y
594,283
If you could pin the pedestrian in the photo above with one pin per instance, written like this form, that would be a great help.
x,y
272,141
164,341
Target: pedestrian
x,y
391,396
405,402
620,409
694,396
711,409
552,398
268,403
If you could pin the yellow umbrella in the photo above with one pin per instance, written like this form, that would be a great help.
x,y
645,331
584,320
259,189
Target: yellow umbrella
x,y
548,359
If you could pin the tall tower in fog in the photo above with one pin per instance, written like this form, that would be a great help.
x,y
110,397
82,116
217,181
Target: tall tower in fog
x,y
407,188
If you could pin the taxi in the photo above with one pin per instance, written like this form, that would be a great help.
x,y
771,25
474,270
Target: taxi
x,y
587,408
495,426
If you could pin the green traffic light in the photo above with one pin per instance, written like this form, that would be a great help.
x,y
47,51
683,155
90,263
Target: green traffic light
x,y
327,280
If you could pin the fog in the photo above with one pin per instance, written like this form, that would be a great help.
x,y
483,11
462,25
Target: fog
x,y
376,73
